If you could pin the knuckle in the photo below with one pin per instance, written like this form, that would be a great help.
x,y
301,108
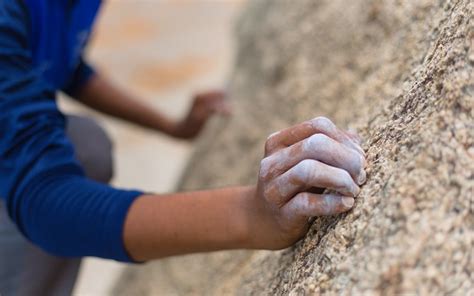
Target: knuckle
x,y
305,169
265,167
305,165
268,145
318,140
271,142
266,192
301,202
328,205
272,135
304,197
322,122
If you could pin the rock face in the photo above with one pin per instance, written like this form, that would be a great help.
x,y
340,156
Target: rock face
x,y
401,73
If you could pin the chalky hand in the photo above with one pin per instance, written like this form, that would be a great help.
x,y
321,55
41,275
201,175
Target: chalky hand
x,y
312,154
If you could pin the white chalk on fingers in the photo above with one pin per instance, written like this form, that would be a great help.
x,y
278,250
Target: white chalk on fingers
x,y
347,185
335,204
325,149
312,205
327,127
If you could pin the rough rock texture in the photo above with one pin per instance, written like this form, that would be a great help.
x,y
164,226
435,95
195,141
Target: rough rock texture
x,y
399,71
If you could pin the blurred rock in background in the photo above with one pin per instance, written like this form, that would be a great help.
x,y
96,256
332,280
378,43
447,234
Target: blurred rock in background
x,y
401,72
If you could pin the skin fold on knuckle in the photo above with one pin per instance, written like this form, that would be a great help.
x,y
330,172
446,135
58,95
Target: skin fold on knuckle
x,y
265,168
274,165
271,143
305,172
295,180
290,185
324,206
310,205
333,204
300,205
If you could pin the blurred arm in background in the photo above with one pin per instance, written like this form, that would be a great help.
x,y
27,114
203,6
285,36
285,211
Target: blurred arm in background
x,y
101,94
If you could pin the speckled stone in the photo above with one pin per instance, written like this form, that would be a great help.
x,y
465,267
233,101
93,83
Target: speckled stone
x,y
401,73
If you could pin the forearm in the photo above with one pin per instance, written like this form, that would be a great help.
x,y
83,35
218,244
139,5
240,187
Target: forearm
x,y
181,223
102,95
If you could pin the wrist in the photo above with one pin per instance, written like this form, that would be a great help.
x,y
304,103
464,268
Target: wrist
x,y
251,218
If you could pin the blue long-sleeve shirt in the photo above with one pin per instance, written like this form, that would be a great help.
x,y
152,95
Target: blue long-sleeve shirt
x,y
41,183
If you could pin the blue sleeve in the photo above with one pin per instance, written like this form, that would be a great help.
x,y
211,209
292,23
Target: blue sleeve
x,y
81,76
43,186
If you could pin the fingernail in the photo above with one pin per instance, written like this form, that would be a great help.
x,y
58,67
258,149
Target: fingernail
x,y
348,202
356,191
362,177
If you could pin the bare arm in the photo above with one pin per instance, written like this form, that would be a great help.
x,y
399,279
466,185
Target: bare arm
x,y
181,223
102,95
271,215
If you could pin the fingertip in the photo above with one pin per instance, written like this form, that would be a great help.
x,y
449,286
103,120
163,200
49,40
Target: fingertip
x,y
356,191
353,188
362,177
348,187
347,202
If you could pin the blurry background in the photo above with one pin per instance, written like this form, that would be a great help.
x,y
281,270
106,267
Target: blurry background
x,y
163,51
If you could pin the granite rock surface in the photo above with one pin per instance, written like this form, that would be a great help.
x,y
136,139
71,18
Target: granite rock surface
x,y
401,73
